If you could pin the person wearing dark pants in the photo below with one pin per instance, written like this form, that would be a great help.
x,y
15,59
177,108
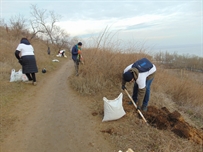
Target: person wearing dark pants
x,y
25,55
142,73
31,76
76,52
49,51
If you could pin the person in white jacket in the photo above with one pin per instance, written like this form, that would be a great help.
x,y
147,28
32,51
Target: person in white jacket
x,y
25,55
141,72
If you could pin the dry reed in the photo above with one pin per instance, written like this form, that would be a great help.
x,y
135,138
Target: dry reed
x,y
101,76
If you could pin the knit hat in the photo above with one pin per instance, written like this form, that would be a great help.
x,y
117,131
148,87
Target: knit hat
x,y
79,43
25,41
128,76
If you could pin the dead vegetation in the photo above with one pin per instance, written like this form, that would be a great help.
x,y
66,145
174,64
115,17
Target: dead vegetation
x,y
10,92
101,76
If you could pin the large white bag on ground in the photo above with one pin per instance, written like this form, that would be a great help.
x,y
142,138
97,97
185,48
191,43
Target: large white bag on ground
x,y
113,109
12,77
24,78
16,76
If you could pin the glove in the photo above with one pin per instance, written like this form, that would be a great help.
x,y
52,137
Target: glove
x,y
123,87
20,61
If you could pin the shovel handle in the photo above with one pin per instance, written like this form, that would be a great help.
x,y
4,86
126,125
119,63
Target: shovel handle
x,y
136,106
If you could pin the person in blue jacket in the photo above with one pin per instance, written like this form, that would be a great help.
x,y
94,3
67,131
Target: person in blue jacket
x,y
142,73
76,52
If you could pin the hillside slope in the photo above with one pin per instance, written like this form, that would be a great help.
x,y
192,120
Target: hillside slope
x,y
52,117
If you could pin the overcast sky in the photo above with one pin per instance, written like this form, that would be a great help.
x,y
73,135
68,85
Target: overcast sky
x,y
174,26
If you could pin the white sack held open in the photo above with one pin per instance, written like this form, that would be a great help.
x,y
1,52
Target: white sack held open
x,y
113,109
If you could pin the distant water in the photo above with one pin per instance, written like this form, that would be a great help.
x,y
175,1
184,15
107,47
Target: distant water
x,y
190,50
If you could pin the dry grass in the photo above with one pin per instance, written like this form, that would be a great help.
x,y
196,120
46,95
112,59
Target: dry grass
x,y
102,71
12,91
101,76
185,92
131,132
8,60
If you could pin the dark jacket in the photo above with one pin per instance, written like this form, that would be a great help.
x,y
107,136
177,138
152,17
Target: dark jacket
x,y
141,92
137,75
75,52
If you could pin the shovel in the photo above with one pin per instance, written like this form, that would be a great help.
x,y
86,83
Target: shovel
x,y
136,106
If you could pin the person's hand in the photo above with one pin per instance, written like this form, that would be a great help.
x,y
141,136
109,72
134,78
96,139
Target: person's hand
x,y
79,52
20,61
123,87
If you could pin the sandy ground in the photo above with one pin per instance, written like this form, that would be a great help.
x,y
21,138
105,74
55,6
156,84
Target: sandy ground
x,y
53,118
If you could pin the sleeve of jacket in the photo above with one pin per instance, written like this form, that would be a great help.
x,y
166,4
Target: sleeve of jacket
x,y
74,50
123,81
17,54
140,96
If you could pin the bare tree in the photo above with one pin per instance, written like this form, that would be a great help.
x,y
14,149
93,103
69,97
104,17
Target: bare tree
x,y
60,38
159,57
44,24
18,25
2,22
73,41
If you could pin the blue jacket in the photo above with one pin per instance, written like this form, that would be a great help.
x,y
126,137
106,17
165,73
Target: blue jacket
x,y
75,52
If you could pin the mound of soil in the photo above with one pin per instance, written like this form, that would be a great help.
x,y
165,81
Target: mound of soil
x,y
165,120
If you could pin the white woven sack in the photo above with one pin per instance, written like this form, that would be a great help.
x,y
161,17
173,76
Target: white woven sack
x,y
113,109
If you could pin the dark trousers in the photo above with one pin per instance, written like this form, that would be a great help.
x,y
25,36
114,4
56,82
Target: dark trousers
x,y
31,76
76,64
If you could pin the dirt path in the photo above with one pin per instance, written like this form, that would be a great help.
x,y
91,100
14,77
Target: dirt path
x,y
52,118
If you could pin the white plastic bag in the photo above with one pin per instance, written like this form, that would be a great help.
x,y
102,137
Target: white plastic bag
x,y
55,60
59,55
12,77
16,76
24,78
113,109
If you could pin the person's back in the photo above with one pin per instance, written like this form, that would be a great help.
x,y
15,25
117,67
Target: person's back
x,y
76,50
142,72
74,53
48,51
25,49
27,59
